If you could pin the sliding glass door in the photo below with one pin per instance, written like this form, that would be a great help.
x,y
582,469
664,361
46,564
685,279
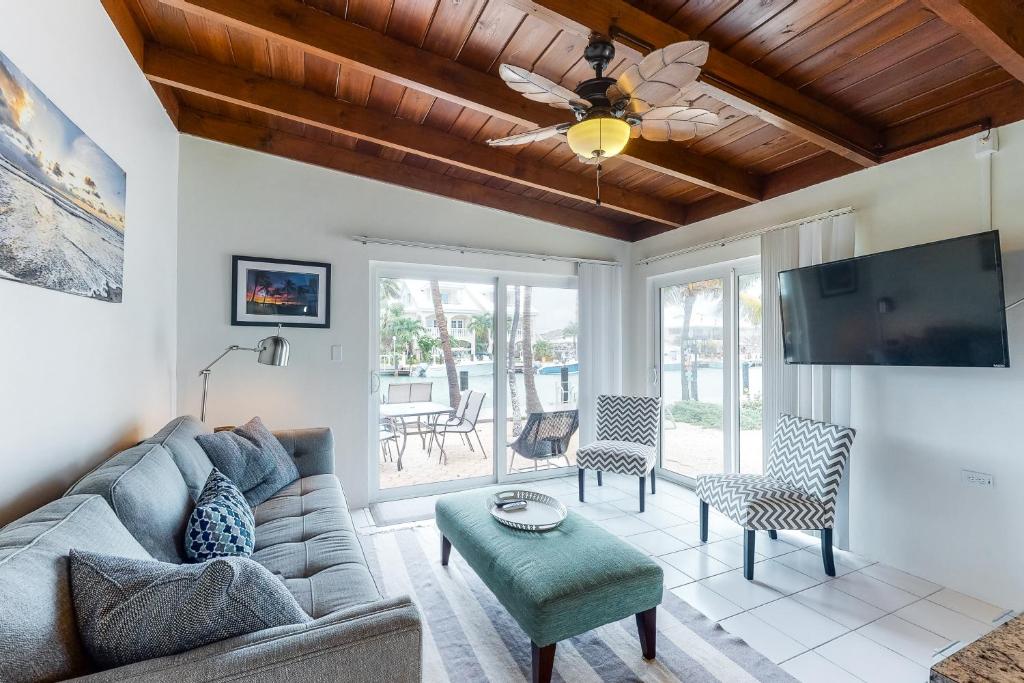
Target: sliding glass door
x,y
708,369
542,377
434,381
462,395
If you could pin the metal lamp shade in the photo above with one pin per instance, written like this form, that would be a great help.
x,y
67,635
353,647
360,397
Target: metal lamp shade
x,y
273,350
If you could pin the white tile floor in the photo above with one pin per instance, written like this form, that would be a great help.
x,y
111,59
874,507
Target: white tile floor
x,y
869,623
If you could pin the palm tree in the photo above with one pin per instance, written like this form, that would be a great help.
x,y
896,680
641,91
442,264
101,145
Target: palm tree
x,y
686,296
390,289
533,404
480,325
261,282
572,330
446,345
513,390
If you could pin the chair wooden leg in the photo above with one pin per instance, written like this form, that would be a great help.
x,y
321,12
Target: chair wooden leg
x,y
582,477
652,481
748,554
773,534
826,552
599,482
646,627
446,551
643,490
703,522
543,662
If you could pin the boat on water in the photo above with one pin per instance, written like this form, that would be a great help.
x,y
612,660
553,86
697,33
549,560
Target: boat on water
x,y
476,367
556,368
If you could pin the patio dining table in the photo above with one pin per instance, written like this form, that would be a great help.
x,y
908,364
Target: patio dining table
x,y
428,409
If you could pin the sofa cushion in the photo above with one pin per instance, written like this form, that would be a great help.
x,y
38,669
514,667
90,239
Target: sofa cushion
x,y
179,438
129,610
253,458
305,534
40,639
222,523
149,496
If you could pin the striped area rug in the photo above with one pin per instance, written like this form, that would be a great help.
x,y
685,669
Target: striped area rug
x,y
468,635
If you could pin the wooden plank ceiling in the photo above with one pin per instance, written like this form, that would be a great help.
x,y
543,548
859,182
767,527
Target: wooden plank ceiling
x,y
407,92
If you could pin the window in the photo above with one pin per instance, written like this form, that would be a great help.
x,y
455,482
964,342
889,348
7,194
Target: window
x,y
708,364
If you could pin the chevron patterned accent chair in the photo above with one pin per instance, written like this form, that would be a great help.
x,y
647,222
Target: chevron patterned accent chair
x,y
798,490
627,440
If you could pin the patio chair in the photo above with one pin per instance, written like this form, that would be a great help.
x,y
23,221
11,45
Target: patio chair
x,y
391,431
798,490
546,436
627,440
463,422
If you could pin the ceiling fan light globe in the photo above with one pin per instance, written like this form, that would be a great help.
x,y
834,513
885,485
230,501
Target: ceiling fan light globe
x,y
600,136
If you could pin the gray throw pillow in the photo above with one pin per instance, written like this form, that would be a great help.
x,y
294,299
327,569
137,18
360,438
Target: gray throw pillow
x,y
253,458
131,610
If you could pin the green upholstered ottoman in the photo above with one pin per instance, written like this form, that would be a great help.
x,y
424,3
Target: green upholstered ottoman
x,y
556,584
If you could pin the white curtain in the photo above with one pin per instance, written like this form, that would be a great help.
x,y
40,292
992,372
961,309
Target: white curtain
x,y
599,339
819,392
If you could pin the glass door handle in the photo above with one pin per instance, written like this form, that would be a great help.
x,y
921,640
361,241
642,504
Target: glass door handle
x,y
374,381
654,374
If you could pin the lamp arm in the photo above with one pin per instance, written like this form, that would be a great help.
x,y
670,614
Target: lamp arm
x,y
233,347
205,374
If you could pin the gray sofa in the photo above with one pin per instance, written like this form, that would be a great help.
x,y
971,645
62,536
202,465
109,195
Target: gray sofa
x,y
137,503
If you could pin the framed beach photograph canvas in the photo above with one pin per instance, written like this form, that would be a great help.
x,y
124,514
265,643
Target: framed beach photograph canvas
x,y
271,292
62,199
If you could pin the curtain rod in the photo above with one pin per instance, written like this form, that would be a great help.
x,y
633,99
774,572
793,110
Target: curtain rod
x,y
475,250
746,235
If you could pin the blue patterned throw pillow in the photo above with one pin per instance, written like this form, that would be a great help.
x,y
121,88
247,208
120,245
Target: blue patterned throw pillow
x,y
222,523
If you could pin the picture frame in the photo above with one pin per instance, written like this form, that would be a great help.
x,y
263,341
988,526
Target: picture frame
x,y
267,292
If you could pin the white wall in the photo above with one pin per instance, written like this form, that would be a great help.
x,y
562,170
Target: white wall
x,y
80,377
917,427
235,201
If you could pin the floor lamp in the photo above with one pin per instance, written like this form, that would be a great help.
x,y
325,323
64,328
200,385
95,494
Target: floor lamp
x,y
272,350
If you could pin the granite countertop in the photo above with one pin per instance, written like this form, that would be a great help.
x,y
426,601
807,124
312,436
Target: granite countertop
x,y
997,657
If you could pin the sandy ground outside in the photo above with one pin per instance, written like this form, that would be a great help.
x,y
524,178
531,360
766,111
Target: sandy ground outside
x,y
419,467
687,450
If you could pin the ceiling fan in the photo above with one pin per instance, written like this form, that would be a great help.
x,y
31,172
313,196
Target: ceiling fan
x,y
645,101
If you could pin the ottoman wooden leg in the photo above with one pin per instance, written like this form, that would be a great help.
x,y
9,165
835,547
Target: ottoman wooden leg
x,y
600,482
647,629
446,550
544,661
583,478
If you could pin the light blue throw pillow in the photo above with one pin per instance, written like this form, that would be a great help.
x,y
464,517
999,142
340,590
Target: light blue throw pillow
x,y
222,523
253,458
130,610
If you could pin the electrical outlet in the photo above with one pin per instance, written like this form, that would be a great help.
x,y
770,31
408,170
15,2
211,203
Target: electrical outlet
x,y
980,479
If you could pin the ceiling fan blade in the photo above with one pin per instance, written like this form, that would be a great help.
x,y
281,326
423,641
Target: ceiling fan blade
x,y
663,124
658,78
535,87
530,136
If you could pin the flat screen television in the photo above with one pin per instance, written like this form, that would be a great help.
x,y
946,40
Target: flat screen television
x,y
938,304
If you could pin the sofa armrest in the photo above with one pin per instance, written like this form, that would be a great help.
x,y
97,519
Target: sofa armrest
x,y
376,642
311,449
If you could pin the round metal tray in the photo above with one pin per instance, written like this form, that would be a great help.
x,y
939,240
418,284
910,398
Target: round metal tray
x,y
542,513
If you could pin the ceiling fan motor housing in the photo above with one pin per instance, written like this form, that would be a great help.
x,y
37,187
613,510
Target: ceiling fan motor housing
x,y
599,53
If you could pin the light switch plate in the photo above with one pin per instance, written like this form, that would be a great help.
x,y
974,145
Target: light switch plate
x,y
336,353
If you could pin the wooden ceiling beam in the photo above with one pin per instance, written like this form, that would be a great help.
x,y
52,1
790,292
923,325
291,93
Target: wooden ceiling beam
x,y
194,74
292,23
996,27
723,77
298,148
127,26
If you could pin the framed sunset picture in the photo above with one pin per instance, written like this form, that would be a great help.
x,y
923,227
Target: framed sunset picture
x,y
271,292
